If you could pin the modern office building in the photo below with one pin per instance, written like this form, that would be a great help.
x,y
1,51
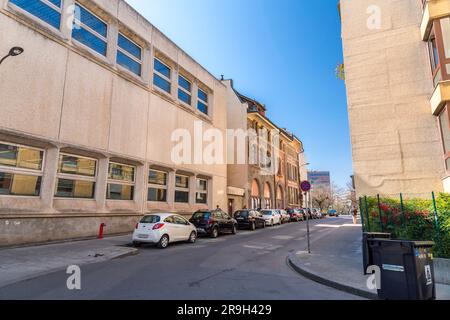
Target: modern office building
x,y
397,72
88,115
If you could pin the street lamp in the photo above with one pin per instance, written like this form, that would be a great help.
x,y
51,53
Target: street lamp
x,y
15,51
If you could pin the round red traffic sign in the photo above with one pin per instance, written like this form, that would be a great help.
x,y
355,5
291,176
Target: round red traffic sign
x,y
305,186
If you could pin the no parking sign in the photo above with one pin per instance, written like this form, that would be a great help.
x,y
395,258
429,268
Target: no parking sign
x,y
305,186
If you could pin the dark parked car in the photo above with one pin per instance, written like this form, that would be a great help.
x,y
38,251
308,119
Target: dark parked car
x,y
249,219
213,222
295,215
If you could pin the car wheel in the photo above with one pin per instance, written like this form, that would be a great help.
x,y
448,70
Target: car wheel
x,y
193,237
215,232
136,244
163,242
253,226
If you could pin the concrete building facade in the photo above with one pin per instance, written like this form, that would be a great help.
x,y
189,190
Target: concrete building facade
x,y
396,56
87,120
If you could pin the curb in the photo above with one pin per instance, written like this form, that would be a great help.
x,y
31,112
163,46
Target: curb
x,y
330,283
5,284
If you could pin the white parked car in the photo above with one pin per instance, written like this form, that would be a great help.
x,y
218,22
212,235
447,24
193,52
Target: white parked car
x,y
285,217
162,229
271,216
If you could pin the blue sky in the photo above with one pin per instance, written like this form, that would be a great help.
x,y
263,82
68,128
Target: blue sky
x,y
282,53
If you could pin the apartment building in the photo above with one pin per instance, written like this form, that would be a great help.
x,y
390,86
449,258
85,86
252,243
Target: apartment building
x,y
88,113
270,175
397,72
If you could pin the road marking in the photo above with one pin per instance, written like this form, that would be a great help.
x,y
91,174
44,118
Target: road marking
x,y
271,248
327,226
282,237
300,239
352,225
254,247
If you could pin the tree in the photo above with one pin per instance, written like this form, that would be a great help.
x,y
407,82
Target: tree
x,y
321,198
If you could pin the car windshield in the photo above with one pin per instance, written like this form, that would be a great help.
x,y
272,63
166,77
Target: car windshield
x,y
266,213
202,215
151,219
241,213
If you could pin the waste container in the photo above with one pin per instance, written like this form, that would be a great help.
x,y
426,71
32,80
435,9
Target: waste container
x,y
367,255
407,271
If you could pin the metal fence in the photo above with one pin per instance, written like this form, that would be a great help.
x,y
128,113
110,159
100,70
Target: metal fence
x,y
422,219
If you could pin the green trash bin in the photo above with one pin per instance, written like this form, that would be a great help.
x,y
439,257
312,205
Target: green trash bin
x,y
407,271
366,253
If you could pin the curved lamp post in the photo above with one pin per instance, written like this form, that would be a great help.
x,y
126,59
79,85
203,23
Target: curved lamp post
x,y
15,51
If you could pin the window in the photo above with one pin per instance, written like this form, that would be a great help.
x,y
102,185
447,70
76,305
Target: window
x,y
121,182
202,191
129,55
184,90
161,76
20,170
90,30
157,191
444,125
202,103
76,177
48,11
181,189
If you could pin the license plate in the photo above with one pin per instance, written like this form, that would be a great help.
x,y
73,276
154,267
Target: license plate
x,y
143,236
200,229
239,218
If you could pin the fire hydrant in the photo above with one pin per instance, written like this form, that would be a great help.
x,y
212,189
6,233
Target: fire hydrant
x,y
100,231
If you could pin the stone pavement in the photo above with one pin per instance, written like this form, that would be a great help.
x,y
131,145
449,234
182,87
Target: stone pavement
x,y
336,261
24,263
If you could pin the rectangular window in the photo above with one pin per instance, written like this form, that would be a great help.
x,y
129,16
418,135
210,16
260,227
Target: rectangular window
x,y
202,191
157,191
184,90
129,55
121,182
20,170
181,189
19,185
21,157
444,125
202,103
48,11
90,30
162,76
76,177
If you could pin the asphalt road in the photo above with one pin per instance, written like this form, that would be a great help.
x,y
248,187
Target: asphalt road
x,y
249,265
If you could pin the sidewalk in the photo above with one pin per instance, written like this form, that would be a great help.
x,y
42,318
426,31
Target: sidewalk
x,y
336,261
19,264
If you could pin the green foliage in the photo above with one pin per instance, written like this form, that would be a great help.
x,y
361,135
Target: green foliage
x,y
412,220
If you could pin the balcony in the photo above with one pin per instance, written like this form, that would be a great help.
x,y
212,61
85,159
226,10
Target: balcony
x,y
433,9
440,97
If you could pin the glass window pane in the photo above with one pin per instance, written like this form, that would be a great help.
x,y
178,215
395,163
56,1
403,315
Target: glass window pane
x,y
130,47
121,172
445,129
75,189
19,185
183,96
181,197
201,198
41,10
30,158
202,107
162,68
157,177
120,192
90,40
202,95
161,83
184,83
91,21
56,2
79,166
128,63
182,182
157,195
8,155
202,185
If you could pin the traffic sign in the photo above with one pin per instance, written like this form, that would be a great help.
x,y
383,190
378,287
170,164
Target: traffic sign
x,y
305,186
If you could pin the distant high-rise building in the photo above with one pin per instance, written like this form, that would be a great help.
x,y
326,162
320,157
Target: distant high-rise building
x,y
320,180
